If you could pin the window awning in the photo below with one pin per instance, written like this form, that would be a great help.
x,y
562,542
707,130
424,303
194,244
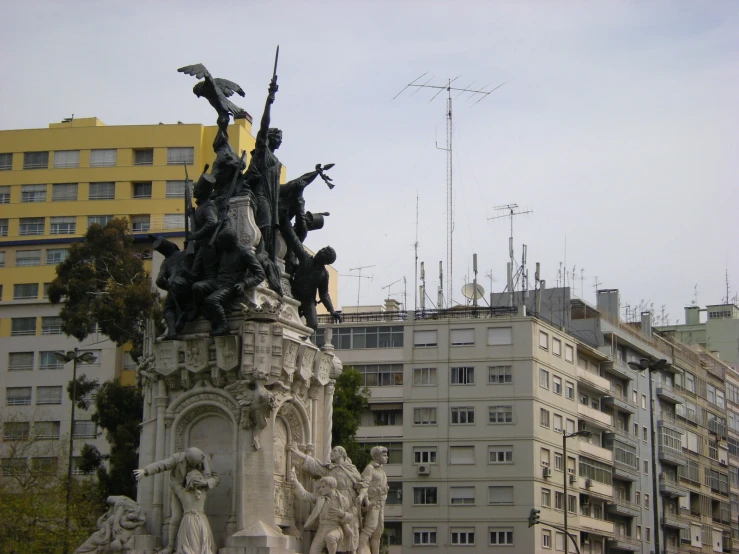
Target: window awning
x,y
385,407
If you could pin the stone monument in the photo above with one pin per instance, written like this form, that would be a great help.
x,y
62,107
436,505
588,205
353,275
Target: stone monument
x,y
244,384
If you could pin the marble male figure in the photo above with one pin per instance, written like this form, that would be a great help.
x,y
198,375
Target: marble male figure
x,y
372,496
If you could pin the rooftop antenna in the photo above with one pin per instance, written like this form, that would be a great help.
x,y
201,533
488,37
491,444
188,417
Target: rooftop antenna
x,y
440,295
473,93
694,302
492,278
359,278
728,299
511,209
596,286
390,285
582,281
415,266
422,289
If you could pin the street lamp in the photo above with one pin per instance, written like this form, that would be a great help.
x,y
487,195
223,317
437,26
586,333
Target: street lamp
x,y
645,365
73,356
566,436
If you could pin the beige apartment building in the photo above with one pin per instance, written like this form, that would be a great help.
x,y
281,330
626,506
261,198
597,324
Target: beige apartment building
x,y
473,404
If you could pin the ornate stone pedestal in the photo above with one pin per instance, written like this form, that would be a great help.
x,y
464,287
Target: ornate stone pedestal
x,y
240,399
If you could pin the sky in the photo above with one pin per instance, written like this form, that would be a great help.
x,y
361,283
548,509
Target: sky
x,y
616,128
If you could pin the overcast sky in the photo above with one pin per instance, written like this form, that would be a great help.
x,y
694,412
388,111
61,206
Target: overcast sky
x,y
617,125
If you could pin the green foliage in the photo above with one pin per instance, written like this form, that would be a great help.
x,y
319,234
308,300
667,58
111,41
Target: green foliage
x,y
350,400
82,391
118,411
102,282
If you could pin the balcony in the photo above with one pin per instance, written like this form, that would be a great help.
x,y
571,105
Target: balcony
x,y
600,419
671,456
625,472
597,526
595,488
620,402
670,487
594,451
622,435
668,394
674,521
623,507
670,422
624,543
596,381
618,368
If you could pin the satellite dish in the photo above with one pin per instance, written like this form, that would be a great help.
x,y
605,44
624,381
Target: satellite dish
x,y
472,291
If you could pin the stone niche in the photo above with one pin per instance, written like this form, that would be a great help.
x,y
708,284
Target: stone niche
x,y
241,399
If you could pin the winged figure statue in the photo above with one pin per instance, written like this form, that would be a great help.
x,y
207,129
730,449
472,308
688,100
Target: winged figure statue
x,y
216,91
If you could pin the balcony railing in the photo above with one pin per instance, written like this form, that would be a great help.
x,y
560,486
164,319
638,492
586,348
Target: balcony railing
x,y
594,380
601,418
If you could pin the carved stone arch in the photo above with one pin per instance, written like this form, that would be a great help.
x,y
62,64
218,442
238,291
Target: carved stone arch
x,y
191,415
297,420
196,396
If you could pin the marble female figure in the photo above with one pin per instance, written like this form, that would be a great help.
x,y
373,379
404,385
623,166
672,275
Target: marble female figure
x,y
195,535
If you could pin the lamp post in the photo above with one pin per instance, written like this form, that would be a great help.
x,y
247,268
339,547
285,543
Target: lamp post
x,y
72,356
645,365
566,436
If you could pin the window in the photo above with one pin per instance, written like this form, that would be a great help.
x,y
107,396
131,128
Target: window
x,y
500,495
501,537
142,190
644,432
462,455
25,291
85,430
462,536
354,338
462,337
2,264
174,221
462,495
20,361
499,336
424,495
101,220
387,416
76,466
634,396
569,353
543,378
462,375
4,228
44,464
394,450
4,195
63,225
500,375
570,426
6,161
500,454
422,339
56,255
143,157
22,326
424,376
30,226
644,401
381,375
546,498
559,500
597,471
64,192
18,396
646,501
102,158
556,384
500,414
66,158
394,493
102,191
35,160
646,467
569,390
545,457
558,461
544,418
546,538
16,430
557,423
556,347
48,395
424,537
175,189
47,361
636,430
25,258
571,504
178,156
559,541
33,193
463,416
424,454
648,534
424,416
543,340
140,223
51,325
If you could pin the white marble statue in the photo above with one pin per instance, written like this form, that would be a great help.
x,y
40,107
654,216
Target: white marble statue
x,y
194,535
180,465
115,527
372,496
347,478
332,510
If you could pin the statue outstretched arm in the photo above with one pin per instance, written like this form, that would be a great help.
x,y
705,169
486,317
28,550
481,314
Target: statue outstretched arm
x,y
264,125
325,298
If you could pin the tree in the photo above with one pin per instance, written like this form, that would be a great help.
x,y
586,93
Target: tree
x,y
103,283
350,400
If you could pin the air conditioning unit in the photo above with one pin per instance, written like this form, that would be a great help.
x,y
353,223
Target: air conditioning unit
x,y
722,462
573,478
588,483
547,472
424,469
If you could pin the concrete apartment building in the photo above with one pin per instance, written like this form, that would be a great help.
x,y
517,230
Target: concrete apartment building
x,y
472,405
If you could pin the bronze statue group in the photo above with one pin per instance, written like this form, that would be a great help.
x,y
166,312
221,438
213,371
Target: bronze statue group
x,y
215,269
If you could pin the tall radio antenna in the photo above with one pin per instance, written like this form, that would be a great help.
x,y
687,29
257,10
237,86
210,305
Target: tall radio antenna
x,y
473,93
415,266
511,209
